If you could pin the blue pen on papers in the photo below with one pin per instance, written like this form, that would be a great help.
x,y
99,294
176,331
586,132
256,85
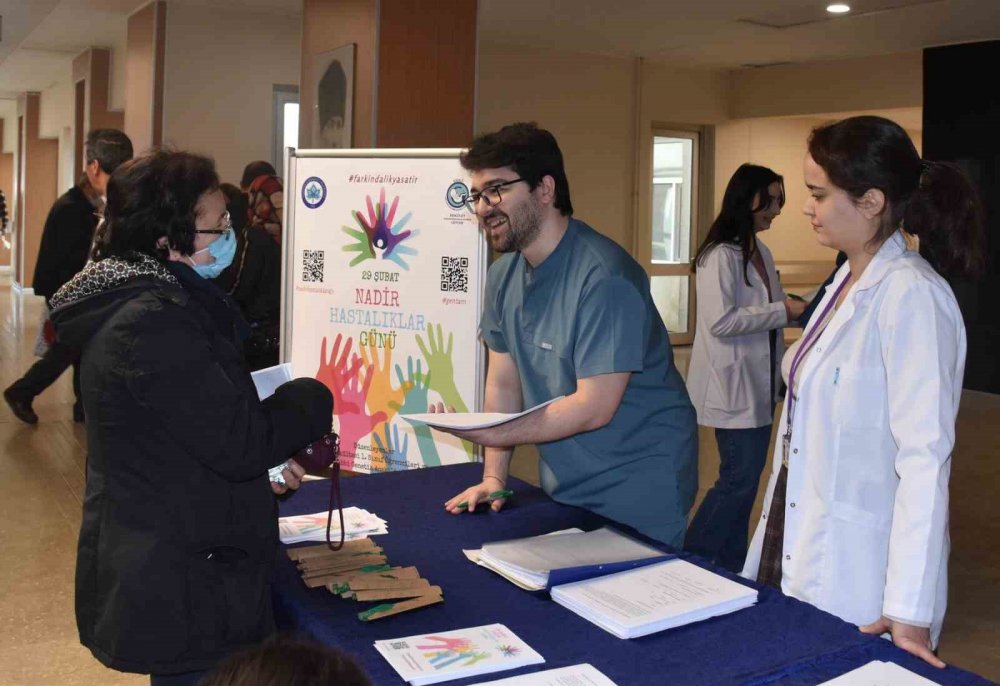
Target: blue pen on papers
x,y
495,495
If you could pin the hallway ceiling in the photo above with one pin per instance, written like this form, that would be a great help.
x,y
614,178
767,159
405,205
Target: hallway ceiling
x,y
732,34
41,36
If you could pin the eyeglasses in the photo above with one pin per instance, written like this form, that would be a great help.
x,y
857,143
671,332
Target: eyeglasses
x,y
490,195
225,226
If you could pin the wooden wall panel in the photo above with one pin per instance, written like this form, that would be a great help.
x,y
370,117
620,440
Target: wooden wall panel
x,y
143,119
39,172
426,73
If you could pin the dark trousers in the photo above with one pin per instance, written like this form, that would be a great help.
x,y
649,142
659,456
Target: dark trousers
x,y
44,373
718,531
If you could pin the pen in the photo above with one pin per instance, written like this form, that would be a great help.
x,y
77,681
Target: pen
x,y
495,495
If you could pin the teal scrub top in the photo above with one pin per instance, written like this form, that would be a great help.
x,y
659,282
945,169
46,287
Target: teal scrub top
x,y
587,310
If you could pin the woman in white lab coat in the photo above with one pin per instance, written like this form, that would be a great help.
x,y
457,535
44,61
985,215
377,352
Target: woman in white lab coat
x,y
856,515
733,376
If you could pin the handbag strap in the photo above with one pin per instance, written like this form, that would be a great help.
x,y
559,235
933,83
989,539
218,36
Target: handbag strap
x,y
335,497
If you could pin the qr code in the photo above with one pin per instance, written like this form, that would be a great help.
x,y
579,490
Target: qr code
x,y
312,265
399,645
455,274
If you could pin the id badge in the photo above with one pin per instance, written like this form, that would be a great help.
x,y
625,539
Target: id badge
x,y
786,447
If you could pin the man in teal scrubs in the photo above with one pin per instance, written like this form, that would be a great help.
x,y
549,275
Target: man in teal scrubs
x,y
569,313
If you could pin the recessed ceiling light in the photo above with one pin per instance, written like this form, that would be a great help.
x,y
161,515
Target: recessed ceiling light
x,y
838,8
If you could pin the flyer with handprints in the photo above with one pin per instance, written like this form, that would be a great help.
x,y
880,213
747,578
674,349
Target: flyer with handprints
x,y
387,266
436,657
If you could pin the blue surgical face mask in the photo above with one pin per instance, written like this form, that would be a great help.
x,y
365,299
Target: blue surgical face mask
x,y
223,249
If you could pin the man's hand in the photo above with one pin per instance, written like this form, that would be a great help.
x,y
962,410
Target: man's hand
x,y
292,474
474,495
913,639
492,437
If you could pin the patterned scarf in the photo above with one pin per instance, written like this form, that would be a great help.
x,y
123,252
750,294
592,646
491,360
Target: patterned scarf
x,y
109,273
264,192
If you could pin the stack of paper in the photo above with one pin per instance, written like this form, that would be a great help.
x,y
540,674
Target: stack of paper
x,y
878,673
653,598
577,675
358,523
528,562
432,658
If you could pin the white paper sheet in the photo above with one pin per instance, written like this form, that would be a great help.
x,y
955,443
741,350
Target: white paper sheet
x,y
878,673
268,380
577,675
469,420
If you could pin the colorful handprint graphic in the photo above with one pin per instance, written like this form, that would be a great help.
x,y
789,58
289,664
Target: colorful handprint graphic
x,y
441,373
378,235
356,425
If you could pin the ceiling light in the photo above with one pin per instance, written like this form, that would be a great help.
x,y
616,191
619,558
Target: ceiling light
x,y
838,8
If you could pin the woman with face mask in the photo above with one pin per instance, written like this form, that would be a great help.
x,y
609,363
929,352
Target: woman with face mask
x,y
732,378
179,524
855,520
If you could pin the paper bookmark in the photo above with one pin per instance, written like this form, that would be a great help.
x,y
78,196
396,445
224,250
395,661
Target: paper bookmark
x,y
339,582
343,565
375,582
393,593
323,550
389,609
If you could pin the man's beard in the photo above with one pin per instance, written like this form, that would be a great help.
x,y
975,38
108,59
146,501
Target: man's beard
x,y
522,227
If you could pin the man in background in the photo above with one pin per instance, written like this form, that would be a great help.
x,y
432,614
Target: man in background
x,y
64,250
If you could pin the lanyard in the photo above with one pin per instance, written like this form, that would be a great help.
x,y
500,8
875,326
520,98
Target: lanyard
x,y
807,343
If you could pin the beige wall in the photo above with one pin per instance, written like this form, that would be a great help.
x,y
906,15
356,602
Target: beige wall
x,y
881,82
329,26
8,112
586,101
220,67
780,143
55,122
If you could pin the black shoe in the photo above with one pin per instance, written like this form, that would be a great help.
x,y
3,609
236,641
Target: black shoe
x,y
78,415
20,407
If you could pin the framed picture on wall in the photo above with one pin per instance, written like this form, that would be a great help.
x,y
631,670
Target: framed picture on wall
x,y
332,118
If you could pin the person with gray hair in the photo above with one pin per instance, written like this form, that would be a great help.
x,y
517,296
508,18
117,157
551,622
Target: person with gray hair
x,y
64,250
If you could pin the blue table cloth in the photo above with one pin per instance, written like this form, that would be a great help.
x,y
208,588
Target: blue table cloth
x,y
778,641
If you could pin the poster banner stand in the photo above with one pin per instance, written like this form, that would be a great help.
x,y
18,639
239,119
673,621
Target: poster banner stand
x,y
383,276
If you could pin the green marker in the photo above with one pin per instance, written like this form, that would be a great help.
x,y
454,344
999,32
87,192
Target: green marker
x,y
495,495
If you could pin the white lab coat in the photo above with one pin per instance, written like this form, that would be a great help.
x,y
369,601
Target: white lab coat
x,y
730,360
866,512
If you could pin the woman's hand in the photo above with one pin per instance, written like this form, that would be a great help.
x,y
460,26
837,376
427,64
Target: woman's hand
x,y
292,474
913,639
794,308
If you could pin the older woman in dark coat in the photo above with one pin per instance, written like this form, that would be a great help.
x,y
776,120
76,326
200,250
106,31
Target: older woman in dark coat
x,y
179,525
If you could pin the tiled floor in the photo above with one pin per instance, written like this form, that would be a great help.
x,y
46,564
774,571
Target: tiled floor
x,y
41,487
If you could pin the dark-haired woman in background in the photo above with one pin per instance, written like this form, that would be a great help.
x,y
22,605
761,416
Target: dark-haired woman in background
x,y
732,377
254,282
179,524
856,515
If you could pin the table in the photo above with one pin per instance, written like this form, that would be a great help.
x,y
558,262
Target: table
x,y
779,641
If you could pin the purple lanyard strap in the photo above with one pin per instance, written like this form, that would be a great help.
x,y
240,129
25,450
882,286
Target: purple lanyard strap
x,y
807,344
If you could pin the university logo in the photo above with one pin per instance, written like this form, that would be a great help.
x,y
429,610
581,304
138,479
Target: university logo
x,y
379,234
456,195
313,192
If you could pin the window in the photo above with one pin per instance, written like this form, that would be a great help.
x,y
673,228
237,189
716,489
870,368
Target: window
x,y
286,124
671,216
